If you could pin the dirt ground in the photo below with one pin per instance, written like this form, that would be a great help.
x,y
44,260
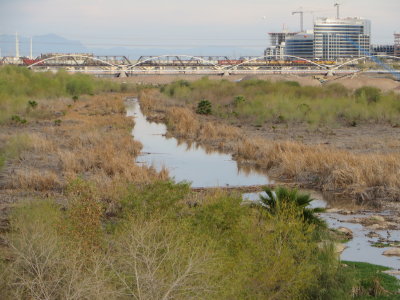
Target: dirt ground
x,y
364,138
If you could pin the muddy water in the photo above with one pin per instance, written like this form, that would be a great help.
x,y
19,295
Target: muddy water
x,y
184,162
193,164
360,248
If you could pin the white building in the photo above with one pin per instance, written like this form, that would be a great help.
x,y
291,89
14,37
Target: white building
x,y
341,38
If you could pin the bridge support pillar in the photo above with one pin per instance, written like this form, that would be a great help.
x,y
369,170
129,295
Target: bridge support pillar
x,y
330,73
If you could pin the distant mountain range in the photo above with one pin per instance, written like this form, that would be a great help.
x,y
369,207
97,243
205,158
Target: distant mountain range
x,y
52,43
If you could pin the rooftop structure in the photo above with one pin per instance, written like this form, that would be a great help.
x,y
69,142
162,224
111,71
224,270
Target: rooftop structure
x,y
277,49
277,38
341,38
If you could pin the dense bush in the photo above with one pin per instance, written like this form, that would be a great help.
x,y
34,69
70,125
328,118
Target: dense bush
x,y
204,107
369,93
159,247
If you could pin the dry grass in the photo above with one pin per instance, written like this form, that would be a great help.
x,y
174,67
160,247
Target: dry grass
x,y
363,177
182,121
92,140
33,179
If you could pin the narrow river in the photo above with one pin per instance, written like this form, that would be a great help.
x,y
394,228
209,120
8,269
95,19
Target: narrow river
x,y
187,162
191,163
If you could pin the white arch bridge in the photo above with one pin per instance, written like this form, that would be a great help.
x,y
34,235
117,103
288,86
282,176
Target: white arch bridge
x,y
186,64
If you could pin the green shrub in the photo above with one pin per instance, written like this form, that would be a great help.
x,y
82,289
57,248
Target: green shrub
x,y
292,83
153,198
238,100
32,104
79,85
204,107
273,202
18,119
371,94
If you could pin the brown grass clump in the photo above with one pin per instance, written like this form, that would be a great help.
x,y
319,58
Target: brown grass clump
x,y
40,143
33,179
148,100
182,121
363,176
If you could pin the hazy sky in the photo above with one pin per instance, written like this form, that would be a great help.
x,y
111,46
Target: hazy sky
x,y
179,23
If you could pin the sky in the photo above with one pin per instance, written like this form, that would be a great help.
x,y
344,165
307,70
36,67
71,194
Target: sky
x,y
184,23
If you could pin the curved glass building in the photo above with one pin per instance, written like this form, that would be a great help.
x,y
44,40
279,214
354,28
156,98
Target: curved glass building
x,y
341,38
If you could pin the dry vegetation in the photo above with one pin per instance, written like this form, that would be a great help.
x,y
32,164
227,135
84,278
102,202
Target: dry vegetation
x,y
91,140
91,224
367,178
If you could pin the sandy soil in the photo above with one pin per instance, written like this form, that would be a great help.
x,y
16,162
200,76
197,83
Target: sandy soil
x,y
365,138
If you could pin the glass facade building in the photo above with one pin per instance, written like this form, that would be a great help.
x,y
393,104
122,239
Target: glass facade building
x,y
341,38
300,45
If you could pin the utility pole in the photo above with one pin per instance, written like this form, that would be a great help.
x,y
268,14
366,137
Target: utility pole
x,y
31,53
301,13
337,5
16,46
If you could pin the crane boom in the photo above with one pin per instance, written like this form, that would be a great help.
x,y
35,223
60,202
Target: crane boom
x,y
301,13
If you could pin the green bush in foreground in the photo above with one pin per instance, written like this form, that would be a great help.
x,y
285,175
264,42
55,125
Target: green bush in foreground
x,y
273,202
159,247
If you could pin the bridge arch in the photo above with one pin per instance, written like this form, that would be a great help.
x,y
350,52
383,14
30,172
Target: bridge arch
x,y
267,56
71,55
166,55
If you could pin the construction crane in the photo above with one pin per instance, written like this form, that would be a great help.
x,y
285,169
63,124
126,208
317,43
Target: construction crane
x,y
301,18
301,13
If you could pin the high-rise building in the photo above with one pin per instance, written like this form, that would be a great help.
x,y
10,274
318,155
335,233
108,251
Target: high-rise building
x,y
341,38
397,44
300,45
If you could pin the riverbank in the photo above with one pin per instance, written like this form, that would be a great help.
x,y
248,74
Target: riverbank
x,y
352,171
88,139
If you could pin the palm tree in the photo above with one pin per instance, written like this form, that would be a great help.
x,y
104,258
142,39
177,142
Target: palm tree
x,y
274,200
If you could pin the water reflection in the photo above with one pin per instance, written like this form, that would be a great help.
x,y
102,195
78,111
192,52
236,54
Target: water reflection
x,y
188,162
